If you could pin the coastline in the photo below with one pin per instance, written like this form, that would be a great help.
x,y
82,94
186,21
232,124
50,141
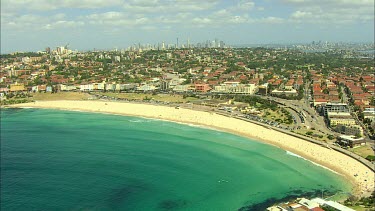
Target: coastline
x,y
327,158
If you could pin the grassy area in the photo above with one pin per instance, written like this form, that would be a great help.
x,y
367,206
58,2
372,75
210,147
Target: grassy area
x,y
276,115
84,96
60,96
358,208
362,204
158,97
15,101
363,151
312,134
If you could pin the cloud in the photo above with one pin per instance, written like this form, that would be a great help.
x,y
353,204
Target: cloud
x,y
331,11
45,5
180,19
271,20
63,24
298,15
168,6
246,5
133,6
331,3
32,22
23,15
119,19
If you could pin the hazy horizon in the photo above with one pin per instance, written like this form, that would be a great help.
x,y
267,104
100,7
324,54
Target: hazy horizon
x,y
106,24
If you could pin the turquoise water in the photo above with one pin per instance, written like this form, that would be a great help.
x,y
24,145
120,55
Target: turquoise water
x,y
65,160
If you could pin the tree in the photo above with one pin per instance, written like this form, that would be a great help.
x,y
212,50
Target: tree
x,y
372,101
330,137
188,81
360,116
309,133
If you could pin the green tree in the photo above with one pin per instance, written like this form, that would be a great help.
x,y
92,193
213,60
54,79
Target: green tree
x,y
309,133
330,137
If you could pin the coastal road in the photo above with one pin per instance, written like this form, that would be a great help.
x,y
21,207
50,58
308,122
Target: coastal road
x,y
312,118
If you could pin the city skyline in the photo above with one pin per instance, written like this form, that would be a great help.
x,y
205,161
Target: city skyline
x,y
33,25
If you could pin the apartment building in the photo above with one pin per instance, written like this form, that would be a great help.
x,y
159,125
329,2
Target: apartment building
x,y
236,88
350,129
340,118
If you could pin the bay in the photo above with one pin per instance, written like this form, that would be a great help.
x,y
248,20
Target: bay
x,y
67,160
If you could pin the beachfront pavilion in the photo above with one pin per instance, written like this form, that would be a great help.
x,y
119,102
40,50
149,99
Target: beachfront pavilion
x,y
350,141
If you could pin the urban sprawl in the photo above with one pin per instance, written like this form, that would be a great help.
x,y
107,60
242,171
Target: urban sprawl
x,y
336,83
321,91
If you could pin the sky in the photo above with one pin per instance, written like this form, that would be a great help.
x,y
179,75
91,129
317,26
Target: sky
x,y
32,25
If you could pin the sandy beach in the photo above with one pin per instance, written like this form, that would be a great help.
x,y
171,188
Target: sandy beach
x,y
363,182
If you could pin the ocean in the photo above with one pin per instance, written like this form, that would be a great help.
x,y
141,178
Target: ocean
x,y
69,160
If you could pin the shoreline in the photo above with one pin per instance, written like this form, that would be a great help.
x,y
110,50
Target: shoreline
x,y
345,166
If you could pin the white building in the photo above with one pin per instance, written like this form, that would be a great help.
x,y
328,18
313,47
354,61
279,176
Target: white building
x,y
2,96
292,92
235,87
35,89
332,204
308,203
369,113
110,87
98,86
146,87
86,87
26,59
64,87
176,81
182,88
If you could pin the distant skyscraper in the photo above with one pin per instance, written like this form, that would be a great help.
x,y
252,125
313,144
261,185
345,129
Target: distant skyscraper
x,y
163,46
222,44
60,50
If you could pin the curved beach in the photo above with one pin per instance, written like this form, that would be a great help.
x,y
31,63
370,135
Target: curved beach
x,y
363,182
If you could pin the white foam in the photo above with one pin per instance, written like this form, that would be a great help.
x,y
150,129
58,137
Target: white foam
x,y
295,155
75,110
198,126
140,121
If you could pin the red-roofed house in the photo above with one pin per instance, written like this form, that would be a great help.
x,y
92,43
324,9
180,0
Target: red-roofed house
x,y
319,101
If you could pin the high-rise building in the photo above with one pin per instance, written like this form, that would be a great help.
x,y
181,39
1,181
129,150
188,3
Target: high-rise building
x,y
164,85
222,44
60,50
